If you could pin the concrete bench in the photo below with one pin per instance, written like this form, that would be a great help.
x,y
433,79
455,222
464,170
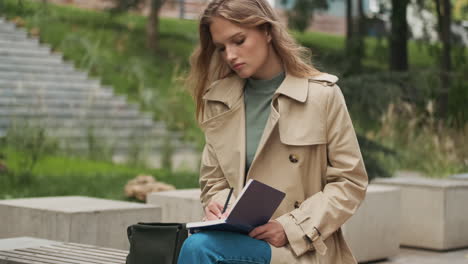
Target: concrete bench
x,y
372,233
434,212
76,219
463,177
28,250
179,205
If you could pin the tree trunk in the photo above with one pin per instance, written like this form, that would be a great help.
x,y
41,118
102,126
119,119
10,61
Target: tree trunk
x,y
399,36
152,26
443,8
349,26
357,40
354,38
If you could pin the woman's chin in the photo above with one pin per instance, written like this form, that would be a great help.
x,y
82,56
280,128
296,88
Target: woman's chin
x,y
243,74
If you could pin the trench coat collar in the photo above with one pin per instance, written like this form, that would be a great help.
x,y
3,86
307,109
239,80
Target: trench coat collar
x,y
227,90
230,89
294,88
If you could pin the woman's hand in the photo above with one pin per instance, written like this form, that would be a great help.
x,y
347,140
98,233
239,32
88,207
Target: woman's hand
x,y
272,232
213,211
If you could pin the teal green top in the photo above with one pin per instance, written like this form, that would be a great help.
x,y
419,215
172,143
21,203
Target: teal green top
x,y
257,99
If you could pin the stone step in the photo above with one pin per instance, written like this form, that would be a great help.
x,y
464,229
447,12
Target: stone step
x,y
117,103
14,36
81,133
118,146
65,68
81,128
91,94
71,77
51,123
37,52
57,112
30,43
82,85
51,60
11,28
7,26
32,54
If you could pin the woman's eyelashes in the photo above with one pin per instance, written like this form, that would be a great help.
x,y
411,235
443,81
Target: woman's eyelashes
x,y
240,42
237,42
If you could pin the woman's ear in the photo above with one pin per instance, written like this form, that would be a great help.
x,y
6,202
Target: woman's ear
x,y
267,30
268,36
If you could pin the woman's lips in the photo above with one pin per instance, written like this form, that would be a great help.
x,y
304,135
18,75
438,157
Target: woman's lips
x,y
238,66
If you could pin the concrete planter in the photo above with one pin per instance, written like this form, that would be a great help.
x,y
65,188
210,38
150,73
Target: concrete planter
x,y
373,232
463,176
434,213
178,206
75,219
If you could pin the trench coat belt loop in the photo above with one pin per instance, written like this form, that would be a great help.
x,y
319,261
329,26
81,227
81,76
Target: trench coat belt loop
x,y
318,243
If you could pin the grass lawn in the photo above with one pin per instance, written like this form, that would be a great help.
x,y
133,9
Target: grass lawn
x,y
58,175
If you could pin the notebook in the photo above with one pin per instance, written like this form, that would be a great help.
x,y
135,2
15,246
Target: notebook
x,y
254,207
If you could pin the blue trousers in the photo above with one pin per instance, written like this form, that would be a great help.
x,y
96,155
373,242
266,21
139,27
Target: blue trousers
x,y
224,248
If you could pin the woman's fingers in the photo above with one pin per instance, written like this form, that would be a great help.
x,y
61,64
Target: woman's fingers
x,y
264,236
226,214
213,211
258,231
271,232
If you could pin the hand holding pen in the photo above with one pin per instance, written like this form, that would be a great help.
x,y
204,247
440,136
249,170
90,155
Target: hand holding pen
x,y
215,211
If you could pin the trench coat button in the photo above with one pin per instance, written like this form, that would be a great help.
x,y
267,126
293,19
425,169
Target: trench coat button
x,y
296,204
293,158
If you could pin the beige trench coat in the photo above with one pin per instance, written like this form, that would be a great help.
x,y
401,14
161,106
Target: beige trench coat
x,y
308,150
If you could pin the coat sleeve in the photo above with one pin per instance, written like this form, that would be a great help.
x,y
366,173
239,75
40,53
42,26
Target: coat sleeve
x,y
213,184
320,215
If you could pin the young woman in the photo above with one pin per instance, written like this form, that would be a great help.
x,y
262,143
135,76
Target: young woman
x,y
268,114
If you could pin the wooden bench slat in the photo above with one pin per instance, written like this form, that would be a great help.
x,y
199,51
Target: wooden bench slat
x,y
91,253
24,258
13,260
63,255
86,248
32,251
118,251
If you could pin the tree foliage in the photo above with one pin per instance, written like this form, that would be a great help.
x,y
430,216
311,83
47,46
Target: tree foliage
x,y
152,32
460,10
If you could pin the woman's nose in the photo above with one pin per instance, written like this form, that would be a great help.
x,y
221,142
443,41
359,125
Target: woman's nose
x,y
230,55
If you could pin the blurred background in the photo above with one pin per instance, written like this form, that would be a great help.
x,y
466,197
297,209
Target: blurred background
x,y
91,91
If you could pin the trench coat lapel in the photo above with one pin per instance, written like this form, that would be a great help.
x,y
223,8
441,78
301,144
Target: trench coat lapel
x,y
227,130
292,88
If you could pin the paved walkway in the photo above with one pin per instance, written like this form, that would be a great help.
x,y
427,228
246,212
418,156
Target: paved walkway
x,y
418,256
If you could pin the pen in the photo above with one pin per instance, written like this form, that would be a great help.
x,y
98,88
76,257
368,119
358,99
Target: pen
x,y
227,200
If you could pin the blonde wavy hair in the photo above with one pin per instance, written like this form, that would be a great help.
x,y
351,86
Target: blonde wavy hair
x,y
208,66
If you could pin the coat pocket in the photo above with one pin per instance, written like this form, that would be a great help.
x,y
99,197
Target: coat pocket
x,y
296,132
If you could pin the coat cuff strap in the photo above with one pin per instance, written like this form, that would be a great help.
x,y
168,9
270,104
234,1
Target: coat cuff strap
x,y
317,242
298,242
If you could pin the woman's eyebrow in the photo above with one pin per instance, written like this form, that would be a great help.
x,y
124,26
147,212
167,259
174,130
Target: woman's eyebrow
x,y
231,37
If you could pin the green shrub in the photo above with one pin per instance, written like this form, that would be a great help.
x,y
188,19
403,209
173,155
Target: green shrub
x,y
26,145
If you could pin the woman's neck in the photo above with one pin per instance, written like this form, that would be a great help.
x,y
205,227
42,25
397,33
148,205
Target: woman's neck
x,y
271,68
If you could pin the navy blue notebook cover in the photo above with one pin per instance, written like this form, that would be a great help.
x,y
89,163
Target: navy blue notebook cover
x,y
254,207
